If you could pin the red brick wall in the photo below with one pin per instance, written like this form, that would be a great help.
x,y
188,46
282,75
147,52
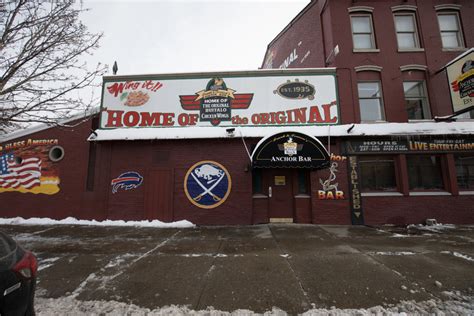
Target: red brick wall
x,y
182,154
415,210
72,171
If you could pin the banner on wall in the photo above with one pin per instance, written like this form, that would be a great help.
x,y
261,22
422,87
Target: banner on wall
x,y
258,98
460,74
409,145
26,166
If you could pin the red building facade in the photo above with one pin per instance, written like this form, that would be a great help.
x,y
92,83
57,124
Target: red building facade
x,y
362,146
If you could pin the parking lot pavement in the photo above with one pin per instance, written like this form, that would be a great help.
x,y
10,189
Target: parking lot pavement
x,y
293,267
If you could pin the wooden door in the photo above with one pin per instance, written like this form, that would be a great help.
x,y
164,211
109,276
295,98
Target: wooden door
x,y
159,195
280,194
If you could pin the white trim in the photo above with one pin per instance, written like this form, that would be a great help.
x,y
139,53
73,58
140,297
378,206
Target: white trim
x,y
411,50
466,192
413,67
368,68
281,220
259,196
302,196
367,129
381,194
404,7
430,193
440,7
367,50
360,9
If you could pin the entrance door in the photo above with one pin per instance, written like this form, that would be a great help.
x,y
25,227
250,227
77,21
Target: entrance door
x,y
159,195
280,194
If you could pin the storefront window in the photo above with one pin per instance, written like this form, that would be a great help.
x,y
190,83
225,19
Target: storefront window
x,y
424,172
465,172
377,173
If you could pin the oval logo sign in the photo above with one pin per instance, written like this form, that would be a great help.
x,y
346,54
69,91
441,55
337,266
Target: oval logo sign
x,y
207,184
296,90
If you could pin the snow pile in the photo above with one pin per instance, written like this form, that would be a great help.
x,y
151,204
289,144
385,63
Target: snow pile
x,y
459,255
457,305
75,221
432,228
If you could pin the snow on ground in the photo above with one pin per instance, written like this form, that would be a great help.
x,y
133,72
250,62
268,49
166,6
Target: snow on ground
x,y
459,255
432,228
75,221
456,304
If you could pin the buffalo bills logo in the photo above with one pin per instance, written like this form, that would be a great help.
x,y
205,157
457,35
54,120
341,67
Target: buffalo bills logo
x,y
126,181
207,184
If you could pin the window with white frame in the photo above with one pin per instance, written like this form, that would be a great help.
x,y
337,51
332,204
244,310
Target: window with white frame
x,y
450,29
362,31
405,26
416,100
370,101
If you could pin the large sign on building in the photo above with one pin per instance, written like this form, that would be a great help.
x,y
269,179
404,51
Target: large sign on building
x,y
258,98
461,80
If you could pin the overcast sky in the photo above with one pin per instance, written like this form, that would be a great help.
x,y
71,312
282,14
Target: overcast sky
x,y
166,36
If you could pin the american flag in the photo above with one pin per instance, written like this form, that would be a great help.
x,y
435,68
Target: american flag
x,y
15,173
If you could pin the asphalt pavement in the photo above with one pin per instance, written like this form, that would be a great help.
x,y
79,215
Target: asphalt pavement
x,y
292,267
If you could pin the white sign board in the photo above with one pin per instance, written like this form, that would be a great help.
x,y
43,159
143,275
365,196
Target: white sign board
x,y
260,98
461,81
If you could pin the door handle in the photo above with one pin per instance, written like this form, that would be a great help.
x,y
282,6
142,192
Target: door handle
x,y
269,191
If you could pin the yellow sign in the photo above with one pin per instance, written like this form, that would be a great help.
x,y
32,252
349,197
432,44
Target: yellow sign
x,y
280,180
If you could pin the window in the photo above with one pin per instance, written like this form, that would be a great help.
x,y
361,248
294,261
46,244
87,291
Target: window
x,y
257,186
465,171
405,27
424,172
303,181
415,100
370,101
377,173
450,29
362,32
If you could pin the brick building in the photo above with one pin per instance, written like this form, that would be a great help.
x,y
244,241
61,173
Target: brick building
x,y
390,58
353,139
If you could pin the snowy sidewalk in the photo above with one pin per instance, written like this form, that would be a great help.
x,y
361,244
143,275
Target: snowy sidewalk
x,y
216,270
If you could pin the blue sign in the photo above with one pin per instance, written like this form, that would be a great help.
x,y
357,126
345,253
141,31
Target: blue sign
x,y
207,184
126,181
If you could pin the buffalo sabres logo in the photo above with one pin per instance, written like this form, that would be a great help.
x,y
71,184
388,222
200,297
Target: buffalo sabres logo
x,y
207,184
126,181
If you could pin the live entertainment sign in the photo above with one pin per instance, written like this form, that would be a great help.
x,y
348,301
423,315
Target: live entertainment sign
x,y
258,98
368,146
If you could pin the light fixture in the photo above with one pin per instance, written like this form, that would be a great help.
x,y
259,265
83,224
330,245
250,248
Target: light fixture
x,y
230,132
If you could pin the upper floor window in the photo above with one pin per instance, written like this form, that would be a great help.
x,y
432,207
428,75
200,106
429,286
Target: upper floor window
x,y
415,100
370,101
362,31
450,29
405,26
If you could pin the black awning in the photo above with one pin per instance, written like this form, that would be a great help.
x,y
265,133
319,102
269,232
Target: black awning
x,y
290,150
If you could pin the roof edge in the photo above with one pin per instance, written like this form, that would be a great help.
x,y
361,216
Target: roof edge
x,y
43,126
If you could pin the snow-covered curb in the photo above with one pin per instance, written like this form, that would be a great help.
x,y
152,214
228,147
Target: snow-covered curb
x,y
457,305
75,221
